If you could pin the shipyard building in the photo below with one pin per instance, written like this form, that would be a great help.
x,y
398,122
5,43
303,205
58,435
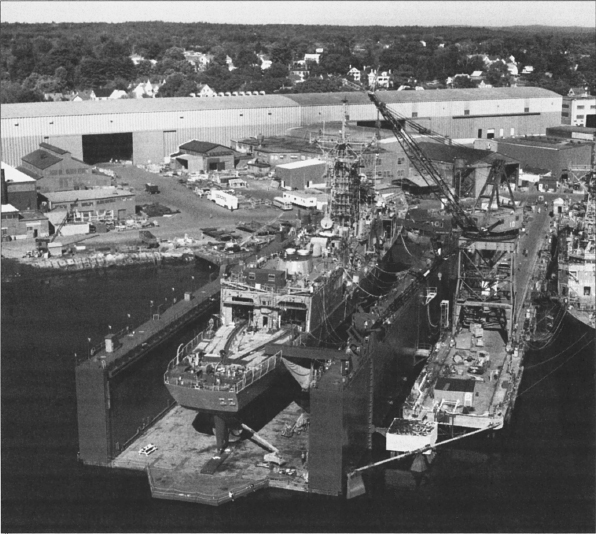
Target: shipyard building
x,y
149,130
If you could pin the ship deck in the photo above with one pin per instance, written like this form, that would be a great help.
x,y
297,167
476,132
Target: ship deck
x,y
174,470
490,386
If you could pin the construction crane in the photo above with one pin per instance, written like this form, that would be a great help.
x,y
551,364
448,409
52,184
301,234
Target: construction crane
x,y
64,221
475,224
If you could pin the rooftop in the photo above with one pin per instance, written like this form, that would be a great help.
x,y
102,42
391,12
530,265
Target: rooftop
x,y
300,164
53,148
203,147
543,142
9,208
87,194
154,105
41,159
29,173
15,175
568,128
447,153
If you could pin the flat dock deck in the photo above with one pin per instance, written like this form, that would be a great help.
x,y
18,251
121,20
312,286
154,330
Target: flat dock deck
x,y
174,470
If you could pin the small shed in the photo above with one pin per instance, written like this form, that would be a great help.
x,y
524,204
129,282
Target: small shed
x,y
558,205
56,248
237,182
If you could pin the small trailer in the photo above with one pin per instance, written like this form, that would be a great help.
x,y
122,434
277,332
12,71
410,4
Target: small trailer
x,y
225,200
282,203
151,189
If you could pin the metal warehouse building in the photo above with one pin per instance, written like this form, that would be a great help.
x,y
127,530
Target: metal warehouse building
x,y
147,130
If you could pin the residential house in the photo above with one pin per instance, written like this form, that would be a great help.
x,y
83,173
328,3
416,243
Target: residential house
x,y
54,97
265,61
312,57
117,94
512,69
57,170
18,188
528,69
102,94
477,75
204,91
484,85
579,91
355,74
82,96
136,58
200,156
318,50
230,63
380,80
300,71
146,90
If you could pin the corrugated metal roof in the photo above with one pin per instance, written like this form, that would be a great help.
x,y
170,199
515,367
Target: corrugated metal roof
x,y
86,194
41,159
142,105
155,105
436,95
450,95
329,99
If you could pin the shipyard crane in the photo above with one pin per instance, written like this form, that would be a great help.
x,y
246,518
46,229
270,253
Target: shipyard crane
x,y
471,226
64,221
481,248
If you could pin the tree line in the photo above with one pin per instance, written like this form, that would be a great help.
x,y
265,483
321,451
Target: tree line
x,y
36,59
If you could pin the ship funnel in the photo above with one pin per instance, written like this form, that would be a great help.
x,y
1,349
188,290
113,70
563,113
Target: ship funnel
x,y
355,486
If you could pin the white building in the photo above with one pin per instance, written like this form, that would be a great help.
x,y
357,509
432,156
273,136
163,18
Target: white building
x,y
577,109
205,91
354,73
312,57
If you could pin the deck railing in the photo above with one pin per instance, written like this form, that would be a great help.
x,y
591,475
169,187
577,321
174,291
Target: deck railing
x,y
255,373
251,375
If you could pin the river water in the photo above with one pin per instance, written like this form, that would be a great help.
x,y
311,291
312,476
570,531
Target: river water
x,y
540,477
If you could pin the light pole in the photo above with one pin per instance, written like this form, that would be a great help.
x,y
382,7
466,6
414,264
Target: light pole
x,y
193,284
151,310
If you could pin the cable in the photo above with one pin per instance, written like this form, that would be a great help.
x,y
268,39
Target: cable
x,y
555,369
404,243
558,354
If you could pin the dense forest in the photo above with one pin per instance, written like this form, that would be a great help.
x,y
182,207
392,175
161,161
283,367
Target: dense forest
x,y
38,59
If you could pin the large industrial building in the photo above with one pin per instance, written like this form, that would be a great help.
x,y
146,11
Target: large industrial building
x,y
148,130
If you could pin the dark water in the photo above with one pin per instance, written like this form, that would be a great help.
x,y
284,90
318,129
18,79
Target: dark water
x,y
540,479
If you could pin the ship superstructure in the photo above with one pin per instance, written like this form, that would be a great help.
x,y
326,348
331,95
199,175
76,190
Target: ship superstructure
x,y
577,260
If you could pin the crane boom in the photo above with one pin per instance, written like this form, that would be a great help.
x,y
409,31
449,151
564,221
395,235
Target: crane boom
x,y
421,163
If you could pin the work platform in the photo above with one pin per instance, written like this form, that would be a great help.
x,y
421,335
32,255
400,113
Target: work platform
x,y
174,470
